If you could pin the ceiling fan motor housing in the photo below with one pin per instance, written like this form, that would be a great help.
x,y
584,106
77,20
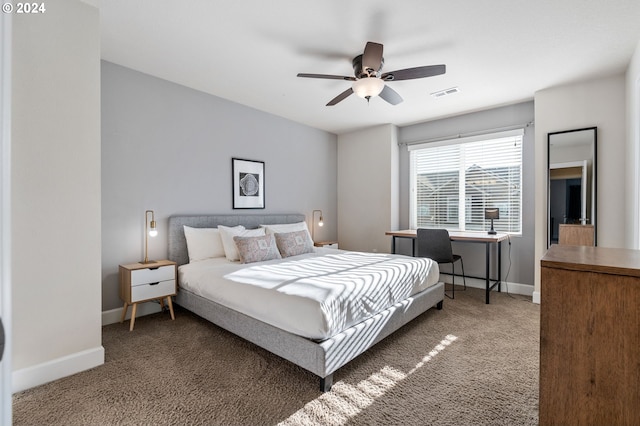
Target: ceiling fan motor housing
x,y
361,73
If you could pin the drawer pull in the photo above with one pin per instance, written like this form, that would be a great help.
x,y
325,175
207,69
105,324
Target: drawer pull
x,y
156,283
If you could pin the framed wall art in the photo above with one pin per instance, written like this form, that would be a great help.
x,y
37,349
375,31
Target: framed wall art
x,y
248,184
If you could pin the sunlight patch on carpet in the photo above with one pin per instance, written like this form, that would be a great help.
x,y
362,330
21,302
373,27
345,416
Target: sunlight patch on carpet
x,y
346,400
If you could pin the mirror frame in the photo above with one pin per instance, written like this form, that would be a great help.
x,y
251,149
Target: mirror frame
x,y
594,198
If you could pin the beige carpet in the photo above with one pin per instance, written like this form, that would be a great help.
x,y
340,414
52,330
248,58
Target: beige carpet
x,y
467,364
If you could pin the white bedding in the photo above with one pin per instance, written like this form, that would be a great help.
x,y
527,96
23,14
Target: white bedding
x,y
314,295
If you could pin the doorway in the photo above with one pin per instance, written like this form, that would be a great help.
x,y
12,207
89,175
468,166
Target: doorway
x,y
568,195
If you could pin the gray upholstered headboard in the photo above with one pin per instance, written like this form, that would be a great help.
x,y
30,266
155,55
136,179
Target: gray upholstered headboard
x,y
178,244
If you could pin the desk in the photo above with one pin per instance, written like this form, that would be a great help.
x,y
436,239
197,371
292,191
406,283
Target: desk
x,y
464,236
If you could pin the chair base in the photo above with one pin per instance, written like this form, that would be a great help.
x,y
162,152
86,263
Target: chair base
x,y
453,279
453,290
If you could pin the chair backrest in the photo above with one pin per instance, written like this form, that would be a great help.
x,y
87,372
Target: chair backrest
x,y
434,244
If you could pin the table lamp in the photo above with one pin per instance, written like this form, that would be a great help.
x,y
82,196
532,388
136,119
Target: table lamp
x,y
313,223
492,213
150,230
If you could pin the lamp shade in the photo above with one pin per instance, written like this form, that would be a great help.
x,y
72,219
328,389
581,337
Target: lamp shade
x,y
368,87
153,230
491,213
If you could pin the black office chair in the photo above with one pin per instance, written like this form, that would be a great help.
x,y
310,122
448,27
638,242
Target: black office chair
x,y
436,245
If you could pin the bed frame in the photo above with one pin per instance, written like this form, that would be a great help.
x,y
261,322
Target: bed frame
x,y
322,358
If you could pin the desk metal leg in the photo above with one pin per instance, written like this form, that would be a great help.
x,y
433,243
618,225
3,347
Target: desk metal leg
x,y
393,245
499,266
498,282
487,280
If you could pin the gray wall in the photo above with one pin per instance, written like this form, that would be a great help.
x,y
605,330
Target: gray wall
x,y
168,148
368,188
632,152
521,258
55,194
600,103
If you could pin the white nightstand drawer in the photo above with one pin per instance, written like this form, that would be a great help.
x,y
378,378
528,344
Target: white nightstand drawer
x,y
153,290
148,275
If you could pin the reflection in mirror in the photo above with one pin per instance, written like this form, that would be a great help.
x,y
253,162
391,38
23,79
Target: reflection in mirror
x,y
572,180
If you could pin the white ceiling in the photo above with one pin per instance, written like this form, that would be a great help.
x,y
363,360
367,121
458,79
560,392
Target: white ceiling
x,y
497,52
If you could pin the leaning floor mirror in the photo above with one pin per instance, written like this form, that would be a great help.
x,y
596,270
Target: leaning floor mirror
x,y
572,181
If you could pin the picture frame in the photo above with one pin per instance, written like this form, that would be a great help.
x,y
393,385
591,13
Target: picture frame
x,y
247,183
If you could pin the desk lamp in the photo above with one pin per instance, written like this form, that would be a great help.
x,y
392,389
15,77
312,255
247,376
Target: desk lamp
x,y
492,213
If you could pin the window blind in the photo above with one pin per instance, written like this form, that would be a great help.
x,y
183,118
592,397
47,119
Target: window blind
x,y
452,182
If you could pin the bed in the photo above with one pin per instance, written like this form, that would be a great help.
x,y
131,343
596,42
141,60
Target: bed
x,y
321,346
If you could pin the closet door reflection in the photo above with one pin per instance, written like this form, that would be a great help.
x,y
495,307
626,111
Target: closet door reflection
x,y
572,180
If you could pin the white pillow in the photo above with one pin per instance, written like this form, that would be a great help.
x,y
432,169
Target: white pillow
x,y
283,228
203,243
227,234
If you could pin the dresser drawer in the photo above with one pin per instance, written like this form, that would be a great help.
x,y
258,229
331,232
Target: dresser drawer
x,y
148,275
153,290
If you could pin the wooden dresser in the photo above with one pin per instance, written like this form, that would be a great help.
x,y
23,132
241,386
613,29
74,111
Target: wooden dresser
x,y
590,336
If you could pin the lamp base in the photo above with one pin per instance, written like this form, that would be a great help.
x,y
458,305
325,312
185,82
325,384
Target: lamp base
x,y
492,231
146,262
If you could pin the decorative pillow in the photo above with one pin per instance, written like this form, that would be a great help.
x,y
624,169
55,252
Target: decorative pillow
x,y
294,243
227,234
203,243
257,249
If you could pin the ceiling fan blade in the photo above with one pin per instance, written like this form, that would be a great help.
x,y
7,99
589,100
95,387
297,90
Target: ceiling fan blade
x,y
390,95
331,77
372,56
411,73
340,97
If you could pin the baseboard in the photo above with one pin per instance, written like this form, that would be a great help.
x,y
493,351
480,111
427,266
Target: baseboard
x,y
513,288
536,297
113,316
55,369
40,374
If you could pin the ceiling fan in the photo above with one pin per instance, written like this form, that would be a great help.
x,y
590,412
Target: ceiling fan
x,y
368,82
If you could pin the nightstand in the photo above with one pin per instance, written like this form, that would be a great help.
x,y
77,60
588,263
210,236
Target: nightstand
x,y
327,244
143,282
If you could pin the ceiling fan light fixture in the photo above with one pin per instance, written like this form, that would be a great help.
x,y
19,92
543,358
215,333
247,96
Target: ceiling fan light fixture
x,y
368,87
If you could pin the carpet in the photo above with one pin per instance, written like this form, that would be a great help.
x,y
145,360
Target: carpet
x,y
467,364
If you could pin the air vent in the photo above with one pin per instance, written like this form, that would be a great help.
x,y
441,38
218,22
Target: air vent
x,y
445,92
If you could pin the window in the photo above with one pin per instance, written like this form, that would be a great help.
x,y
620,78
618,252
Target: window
x,y
453,181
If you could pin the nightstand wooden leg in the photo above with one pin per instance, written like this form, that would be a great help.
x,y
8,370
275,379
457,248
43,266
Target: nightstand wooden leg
x,y
162,303
133,316
170,307
124,312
